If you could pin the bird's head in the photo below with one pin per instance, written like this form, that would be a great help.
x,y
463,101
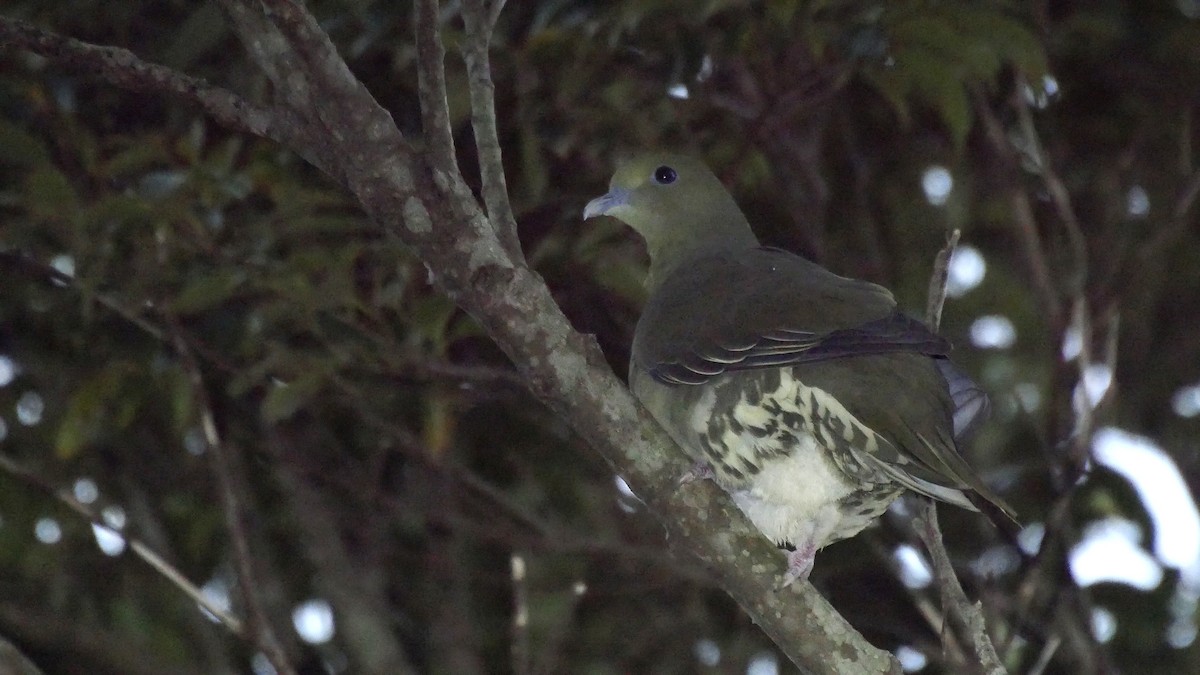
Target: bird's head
x,y
674,202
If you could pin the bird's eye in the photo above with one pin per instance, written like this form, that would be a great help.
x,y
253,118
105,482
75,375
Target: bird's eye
x,y
665,175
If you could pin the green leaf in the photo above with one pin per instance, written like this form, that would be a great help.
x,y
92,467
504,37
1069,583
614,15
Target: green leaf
x,y
932,33
893,84
929,80
116,208
285,399
208,291
74,432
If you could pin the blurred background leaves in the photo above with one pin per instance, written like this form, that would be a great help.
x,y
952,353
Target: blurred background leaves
x,y
395,465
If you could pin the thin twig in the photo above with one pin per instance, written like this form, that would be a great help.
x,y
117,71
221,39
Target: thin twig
x,y
236,515
936,298
1024,222
547,534
33,266
1059,195
1167,234
269,50
1048,651
353,582
124,69
435,110
446,370
312,52
966,618
139,548
483,120
921,600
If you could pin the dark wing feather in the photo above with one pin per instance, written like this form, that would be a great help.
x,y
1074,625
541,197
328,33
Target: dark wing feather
x,y
763,307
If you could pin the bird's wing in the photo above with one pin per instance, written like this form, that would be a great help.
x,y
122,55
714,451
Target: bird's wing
x,y
765,308
760,307
918,421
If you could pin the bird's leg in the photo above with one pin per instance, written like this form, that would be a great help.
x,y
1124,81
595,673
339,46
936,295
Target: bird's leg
x,y
699,471
800,563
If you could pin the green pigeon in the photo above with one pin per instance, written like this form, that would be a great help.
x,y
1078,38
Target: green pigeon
x,y
807,396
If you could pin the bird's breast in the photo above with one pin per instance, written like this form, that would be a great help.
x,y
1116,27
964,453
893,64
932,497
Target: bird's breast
x,y
804,498
791,455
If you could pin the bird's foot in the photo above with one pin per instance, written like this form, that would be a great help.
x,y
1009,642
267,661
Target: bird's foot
x,y
699,471
800,564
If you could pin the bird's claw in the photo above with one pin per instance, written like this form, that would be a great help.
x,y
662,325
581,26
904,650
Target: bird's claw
x,y
800,565
699,471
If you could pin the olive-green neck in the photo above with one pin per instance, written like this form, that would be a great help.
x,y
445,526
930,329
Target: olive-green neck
x,y
672,244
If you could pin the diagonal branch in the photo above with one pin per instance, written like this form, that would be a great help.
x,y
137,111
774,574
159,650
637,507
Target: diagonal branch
x,y
483,121
1166,235
124,69
13,662
139,548
494,13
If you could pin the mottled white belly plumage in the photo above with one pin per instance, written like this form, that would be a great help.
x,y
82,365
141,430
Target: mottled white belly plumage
x,y
792,458
800,498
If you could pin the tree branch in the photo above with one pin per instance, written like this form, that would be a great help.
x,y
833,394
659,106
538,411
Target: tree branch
x,y
483,121
936,298
236,513
965,617
1059,196
139,548
435,110
1166,235
124,69
357,595
1024,222
13,662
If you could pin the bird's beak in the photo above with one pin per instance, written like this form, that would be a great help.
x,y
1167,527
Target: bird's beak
x,y
616,198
